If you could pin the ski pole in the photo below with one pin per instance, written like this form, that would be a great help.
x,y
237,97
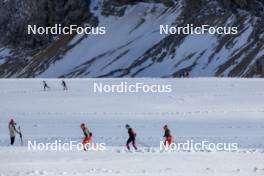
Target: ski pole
x,y
20,135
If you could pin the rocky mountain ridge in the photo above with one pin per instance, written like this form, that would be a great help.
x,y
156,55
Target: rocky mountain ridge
x,y
137,50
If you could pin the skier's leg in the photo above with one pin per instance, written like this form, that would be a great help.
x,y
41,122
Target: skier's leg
x,y
89,139
170,140
12,140
134,144
128,142
85,141
167,142
46,87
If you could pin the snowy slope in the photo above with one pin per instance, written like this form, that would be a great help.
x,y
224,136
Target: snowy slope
x,y
126,40
124,51
4,52
216,110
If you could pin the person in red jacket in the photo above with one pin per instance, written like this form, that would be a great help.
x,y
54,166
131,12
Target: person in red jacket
x,y
167,135
87,135
131,138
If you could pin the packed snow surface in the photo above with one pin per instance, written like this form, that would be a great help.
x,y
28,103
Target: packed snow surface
x,y
208,109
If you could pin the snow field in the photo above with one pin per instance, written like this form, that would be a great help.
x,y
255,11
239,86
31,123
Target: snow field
x,y
216,110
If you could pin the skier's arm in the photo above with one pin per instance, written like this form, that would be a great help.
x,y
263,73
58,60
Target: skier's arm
x,y
18,132
135,134
165,134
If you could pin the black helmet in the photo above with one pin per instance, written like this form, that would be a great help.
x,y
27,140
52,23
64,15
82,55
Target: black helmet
x,y
127,126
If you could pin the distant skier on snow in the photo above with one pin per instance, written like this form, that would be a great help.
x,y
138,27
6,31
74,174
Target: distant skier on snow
x,y
131,138
186,74
45,86
87,136
13,131
64,85
167,135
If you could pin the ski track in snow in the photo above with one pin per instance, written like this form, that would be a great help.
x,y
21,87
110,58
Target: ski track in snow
x,y
117,161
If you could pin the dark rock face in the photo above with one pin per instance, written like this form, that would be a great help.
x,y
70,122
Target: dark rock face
x,y
255,6
118,7
33,55
15,15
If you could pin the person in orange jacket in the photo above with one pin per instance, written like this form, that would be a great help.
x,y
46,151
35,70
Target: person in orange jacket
x,y
167,135
87,135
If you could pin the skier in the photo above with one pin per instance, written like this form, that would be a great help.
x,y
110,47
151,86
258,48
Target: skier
x,y
45,85
13,131
167,135
64,85
132,137
186,74
87,136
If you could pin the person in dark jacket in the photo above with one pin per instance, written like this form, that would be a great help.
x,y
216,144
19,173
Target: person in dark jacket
x,y
45,86
131,137
167,135
64,85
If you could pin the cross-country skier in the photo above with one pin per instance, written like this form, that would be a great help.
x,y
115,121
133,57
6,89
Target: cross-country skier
x,y
87,136
45,86
167,135
64,85
131,138
186,74
13,131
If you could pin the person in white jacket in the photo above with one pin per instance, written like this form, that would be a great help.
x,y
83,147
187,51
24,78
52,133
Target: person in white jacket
x,y
12,131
